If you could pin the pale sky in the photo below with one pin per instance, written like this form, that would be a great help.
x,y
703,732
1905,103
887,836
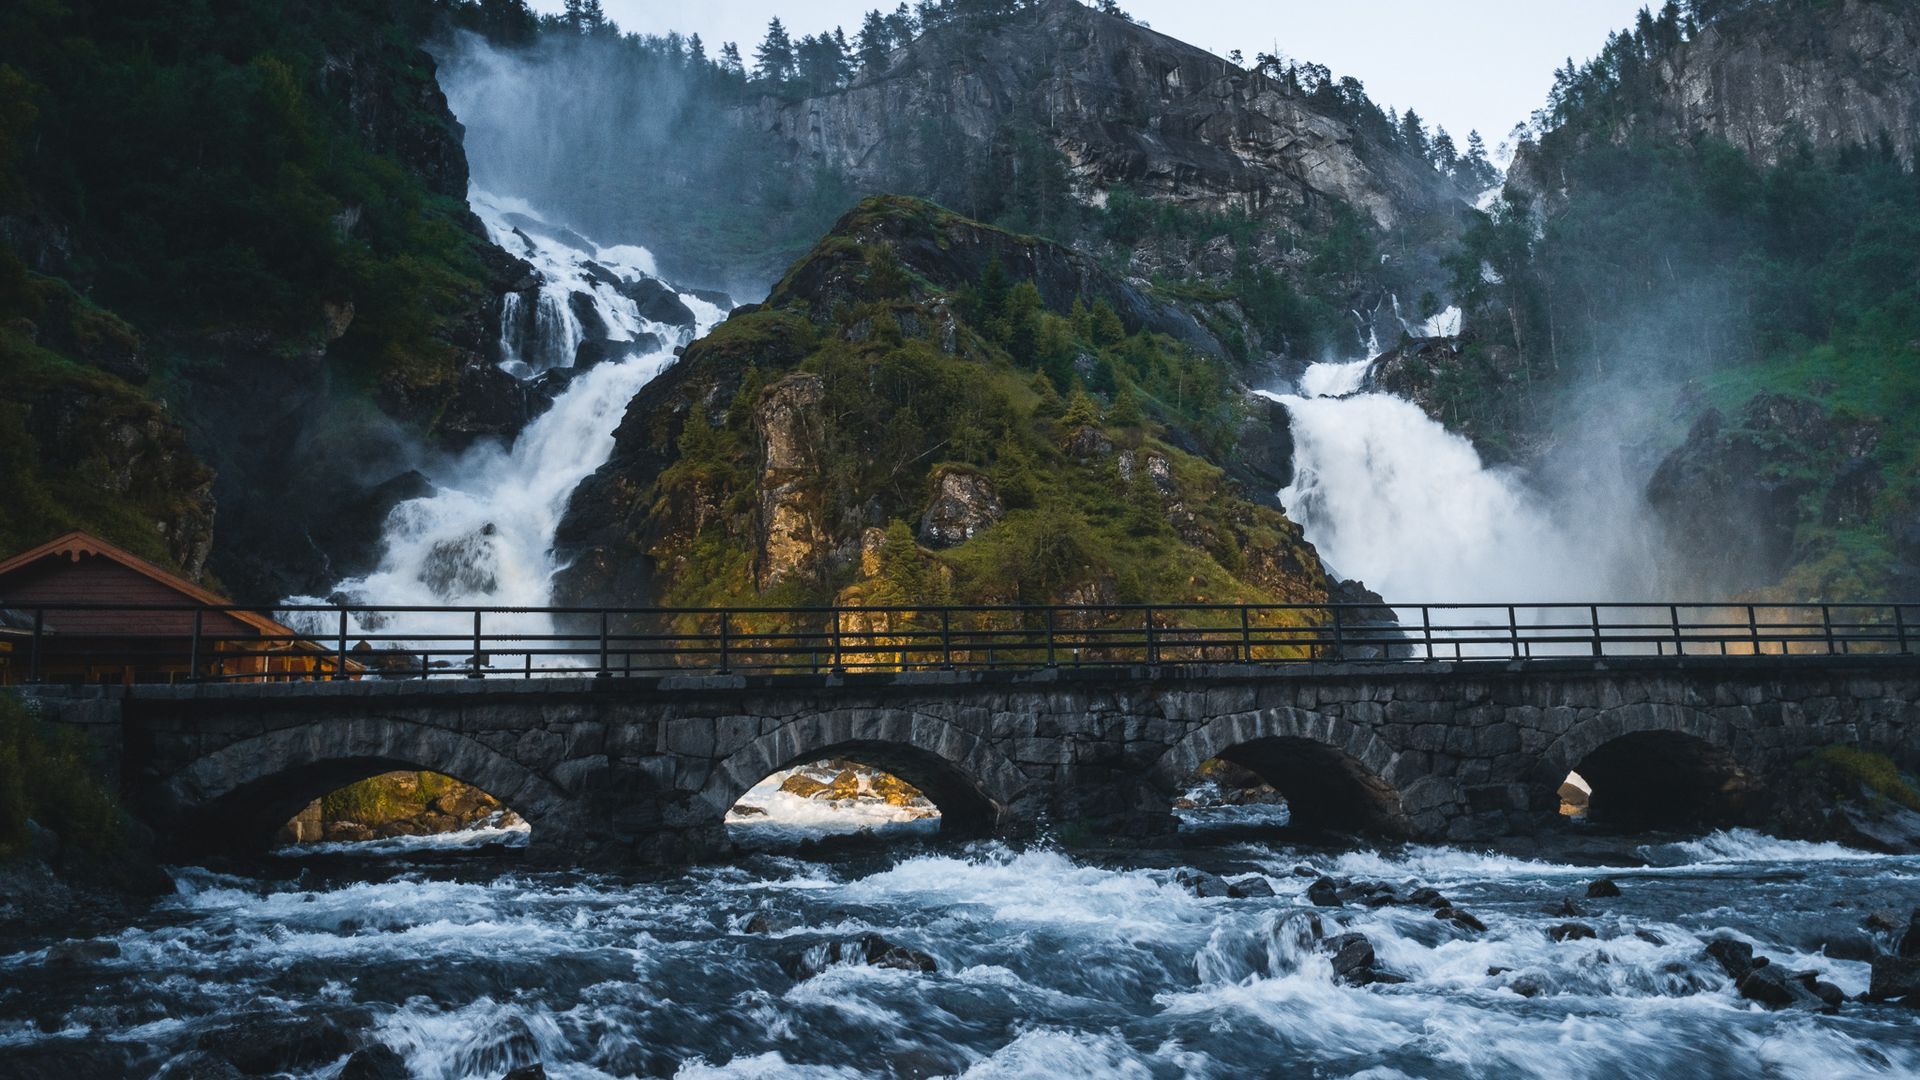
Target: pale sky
x,y
1465,64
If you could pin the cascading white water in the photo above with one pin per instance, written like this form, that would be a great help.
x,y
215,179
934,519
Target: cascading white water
x,y
1393,498
485,535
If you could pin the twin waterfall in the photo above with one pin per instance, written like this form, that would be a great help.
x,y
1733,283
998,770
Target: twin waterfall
x,y
1385,493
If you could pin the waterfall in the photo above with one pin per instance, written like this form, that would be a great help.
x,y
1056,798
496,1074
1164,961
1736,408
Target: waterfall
x,y
484,536
1391,497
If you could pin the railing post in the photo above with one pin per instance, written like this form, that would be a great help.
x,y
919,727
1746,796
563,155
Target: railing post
x,y
1826,626
39,631
340,653
1753,628
1246,634
946,639
1050,660
1426,629
1900,627
1339,636
1153,650
839,658
1513,630
1593,614
193,648
474,671
1673,617
726,662
606,666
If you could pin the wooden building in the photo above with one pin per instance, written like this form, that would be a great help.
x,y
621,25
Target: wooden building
x,y
78,609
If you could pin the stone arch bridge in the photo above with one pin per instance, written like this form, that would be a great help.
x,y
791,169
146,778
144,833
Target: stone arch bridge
x,y
644,769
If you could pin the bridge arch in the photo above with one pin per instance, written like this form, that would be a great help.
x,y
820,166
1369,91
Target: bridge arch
x,y
1333,773
236,797
1650,765
971,781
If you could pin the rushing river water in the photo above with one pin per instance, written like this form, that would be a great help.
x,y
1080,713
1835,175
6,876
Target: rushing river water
x,y
1047,963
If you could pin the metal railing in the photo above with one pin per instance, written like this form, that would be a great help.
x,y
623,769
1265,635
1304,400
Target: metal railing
x,y
204,643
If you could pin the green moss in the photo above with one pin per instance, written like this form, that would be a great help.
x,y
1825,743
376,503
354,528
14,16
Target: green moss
x,y
388,797
1851,770
47,776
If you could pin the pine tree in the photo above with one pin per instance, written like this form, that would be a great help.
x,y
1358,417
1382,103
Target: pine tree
x,y
1082,411
1413,133
1445,157
587,17
730,61
697,53
774,59
875,41
1125,411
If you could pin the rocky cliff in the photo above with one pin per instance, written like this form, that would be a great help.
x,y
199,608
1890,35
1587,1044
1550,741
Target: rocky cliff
x,y
885,430
1126,106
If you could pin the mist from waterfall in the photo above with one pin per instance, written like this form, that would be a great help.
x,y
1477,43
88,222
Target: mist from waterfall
x,y
1389,496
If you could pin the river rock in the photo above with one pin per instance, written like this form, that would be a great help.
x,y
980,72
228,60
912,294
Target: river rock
x,y
1460,917
535,1071
1572,931
1250,886
770,922
1323,893
802,785
1202,884
1602,888
78,953
264,1044
1351,953
1777,989
1895,978
376,1062
870,949
1734,957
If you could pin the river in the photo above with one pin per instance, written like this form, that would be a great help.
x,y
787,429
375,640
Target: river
x,y
1047,964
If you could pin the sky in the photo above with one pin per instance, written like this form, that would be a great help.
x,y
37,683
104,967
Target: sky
x,y
1465,64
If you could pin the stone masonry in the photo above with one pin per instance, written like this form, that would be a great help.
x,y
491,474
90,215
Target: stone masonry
x,y
644,769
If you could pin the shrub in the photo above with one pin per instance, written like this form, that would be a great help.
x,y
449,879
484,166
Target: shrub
x,y
46,776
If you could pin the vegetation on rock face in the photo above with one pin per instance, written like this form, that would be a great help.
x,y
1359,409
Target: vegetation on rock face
x,y
791,453
192,197
46,777
1854,773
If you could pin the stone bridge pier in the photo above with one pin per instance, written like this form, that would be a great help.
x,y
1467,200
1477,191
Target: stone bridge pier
x,y
645,769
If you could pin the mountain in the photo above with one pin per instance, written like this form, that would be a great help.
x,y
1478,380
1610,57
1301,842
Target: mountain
x,y
1703,271
898,423
1125,107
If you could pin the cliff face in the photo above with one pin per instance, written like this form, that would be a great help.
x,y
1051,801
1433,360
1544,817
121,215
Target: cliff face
x,y
1834,75
884,430
1125,105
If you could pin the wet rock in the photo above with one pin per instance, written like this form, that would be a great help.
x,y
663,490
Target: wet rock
x,y
1832,996
845,785
1527,986
1909,945
1895,978
201,1065
1202,884
377,1062
1572,931
1250,886
1427,897
1776,989
77,953
870,949
1602,888
1734,957
535,1071
770,922
1323,893
1459,917
261,1045
1567,909
1351,954
744,810
1086,443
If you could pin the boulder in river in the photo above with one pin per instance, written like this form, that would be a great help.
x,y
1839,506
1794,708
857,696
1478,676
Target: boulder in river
x,y
1459,917
1202,884
376,1062
1895,978
1251,885
1571,931
264,1043
1734,957
870,949
1602,888
1323,893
